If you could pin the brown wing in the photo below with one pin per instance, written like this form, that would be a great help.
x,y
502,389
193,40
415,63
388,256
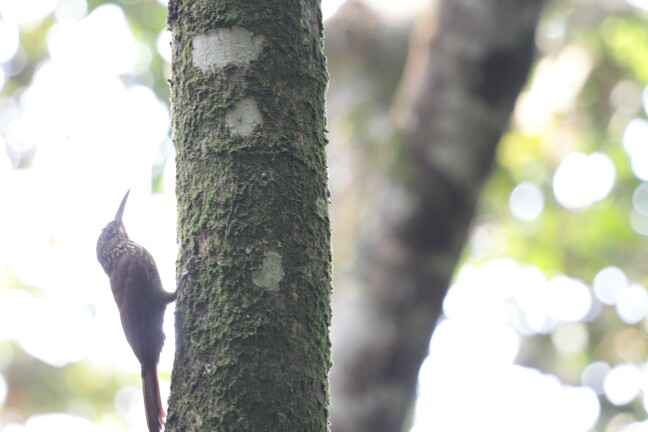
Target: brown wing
x,y
134,283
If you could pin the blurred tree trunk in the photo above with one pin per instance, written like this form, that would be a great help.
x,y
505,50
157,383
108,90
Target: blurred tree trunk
x,y
252,321
457,95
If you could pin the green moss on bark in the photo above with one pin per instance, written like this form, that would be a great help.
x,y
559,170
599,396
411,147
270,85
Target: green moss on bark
x,y
252,356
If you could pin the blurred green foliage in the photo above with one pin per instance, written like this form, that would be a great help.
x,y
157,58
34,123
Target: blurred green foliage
x,y
580,242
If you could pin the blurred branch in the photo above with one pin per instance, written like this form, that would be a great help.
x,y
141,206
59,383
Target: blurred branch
x,y
454,107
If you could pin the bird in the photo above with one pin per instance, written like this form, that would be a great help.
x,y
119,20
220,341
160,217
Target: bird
x,y
137,289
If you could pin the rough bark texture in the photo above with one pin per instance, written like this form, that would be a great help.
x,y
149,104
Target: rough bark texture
x,y
463,96
253,318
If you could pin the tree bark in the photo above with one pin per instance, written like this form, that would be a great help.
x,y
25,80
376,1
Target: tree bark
x,y
252,320
459,105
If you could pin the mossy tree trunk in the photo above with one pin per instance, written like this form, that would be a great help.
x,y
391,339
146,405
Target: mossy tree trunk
x,y
252,320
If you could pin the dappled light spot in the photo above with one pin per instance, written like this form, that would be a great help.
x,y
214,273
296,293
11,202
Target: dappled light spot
x,y
626,96
473,350
578,409
582,179
554,88
635,138
493,344
71,10
593,376
644,389
570,338
622,422
640,199
632,305
512,397
641,426
642,4
526,201
481,242
129,403
329,7
482,294
530,297
83,45
622,384
551,34
10,40
568,299
608,283
163,44
72,115
639,222
26,11
18,308
59,422
628,344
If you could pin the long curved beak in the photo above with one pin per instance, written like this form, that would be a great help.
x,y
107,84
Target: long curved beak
x,y
122,206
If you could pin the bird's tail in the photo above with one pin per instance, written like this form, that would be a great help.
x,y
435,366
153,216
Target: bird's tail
x,y
152,401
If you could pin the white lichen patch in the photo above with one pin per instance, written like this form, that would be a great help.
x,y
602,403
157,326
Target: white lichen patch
x,y
244,117
321,208
270,273
218,48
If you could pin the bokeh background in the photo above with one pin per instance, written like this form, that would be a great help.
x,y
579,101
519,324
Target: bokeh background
x,y
545,324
